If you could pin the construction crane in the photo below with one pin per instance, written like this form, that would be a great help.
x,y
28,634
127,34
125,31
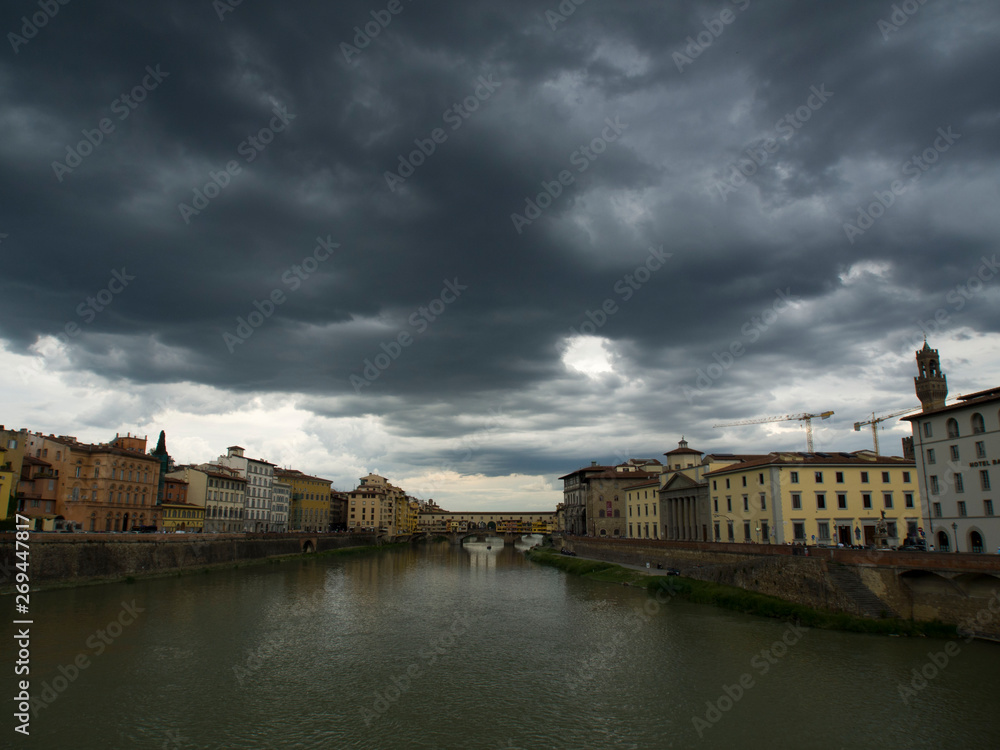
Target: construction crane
x,y
807,418
875,421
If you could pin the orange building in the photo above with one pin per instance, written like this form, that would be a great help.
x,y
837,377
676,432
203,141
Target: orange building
x,y
103,487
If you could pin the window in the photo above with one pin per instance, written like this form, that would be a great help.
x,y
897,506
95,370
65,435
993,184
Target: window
x,y
794,477
959,483
952,428
715,502
729,504
744,481
980,449
866,500
819,477
864,477
823,531
908,499
927,430
890,529
821,501
840,477
984,479
885,477
727,483
796,501
906,477
841,500
732,536
887,499
961,508
954,452
746,503
935,487
978,426
718,534
987,507
760,478
630,511
930,455
763,501
799,531
937,510
746,531
714,487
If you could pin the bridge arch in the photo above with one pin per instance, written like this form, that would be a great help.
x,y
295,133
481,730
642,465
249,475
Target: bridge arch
x,y
308,546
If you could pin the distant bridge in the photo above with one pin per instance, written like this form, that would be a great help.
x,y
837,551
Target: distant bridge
x,y
509,538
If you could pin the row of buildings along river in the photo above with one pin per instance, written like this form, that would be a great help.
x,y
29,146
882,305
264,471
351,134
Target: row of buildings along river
x,y
937,495
62,484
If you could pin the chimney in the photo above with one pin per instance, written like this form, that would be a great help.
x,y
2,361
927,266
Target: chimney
x,y
593,463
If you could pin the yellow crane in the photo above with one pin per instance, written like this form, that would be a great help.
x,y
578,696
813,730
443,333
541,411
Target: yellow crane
x,y
807,418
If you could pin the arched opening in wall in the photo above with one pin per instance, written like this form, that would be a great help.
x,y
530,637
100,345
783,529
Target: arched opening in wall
x,y
308,547
943,543
953,428
978,424
975,541
604,532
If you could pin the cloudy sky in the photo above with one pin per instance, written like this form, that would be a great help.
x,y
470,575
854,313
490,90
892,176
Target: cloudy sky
x,y
474,246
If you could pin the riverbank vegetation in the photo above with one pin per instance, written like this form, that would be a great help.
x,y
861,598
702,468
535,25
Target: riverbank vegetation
x,y
737,599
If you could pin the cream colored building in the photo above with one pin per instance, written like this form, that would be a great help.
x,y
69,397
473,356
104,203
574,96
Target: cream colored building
x,y
221,491
815,498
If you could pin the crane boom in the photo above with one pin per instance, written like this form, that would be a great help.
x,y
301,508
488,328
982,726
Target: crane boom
x,y
876,421
807,418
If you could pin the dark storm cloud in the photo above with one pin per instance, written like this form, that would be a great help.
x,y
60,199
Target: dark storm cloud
x,y
328,129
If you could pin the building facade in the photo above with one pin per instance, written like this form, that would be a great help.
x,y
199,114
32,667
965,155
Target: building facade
x,y
101,487
957,452
815,498
259,475
281,499
595,497
309,500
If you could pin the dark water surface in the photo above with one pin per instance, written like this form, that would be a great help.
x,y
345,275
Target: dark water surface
x,y
444,647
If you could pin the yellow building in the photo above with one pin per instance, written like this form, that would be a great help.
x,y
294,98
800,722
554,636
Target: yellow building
x,y
643,502
310,500
815,498
8,484
185,517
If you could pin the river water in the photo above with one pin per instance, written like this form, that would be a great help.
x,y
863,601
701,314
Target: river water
x,y
444,647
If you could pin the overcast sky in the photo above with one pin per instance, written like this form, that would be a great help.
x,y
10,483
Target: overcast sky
x,y
476,245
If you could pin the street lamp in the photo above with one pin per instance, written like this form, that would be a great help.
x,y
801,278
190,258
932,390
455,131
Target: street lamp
x,y
954,527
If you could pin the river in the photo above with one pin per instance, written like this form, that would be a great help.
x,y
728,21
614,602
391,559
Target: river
x,y
444,647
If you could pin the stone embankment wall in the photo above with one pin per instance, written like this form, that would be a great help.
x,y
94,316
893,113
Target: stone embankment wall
x,y
958,589
69,558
